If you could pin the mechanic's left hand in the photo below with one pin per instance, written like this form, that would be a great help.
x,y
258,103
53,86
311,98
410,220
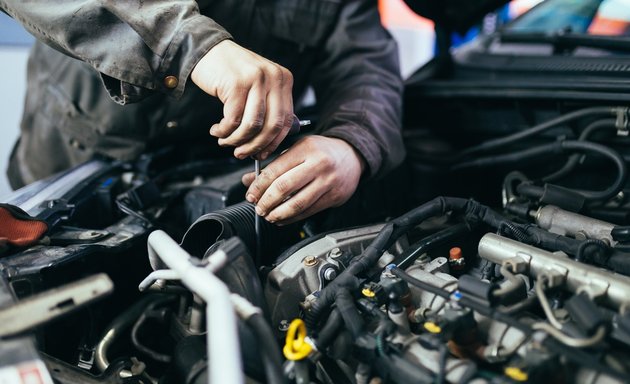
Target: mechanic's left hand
x,y
316,173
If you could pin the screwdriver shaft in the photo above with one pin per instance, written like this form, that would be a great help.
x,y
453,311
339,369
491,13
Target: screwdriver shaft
x,y
257,221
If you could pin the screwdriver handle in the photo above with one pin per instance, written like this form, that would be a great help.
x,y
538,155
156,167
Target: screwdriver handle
x,y
297,125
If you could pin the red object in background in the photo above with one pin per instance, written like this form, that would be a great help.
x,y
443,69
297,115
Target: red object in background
x,y
19,229
396,14
609,27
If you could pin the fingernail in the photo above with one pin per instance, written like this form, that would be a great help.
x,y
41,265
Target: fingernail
x,y
213,131
259,211
251,198
264,155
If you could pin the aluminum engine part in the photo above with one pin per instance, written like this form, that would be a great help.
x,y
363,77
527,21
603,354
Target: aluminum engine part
x,y
314,265
499,336
567,223
610,287
434,273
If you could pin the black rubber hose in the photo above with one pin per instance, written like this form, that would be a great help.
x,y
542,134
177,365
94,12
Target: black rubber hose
x,y
441,376
330,330
621,233
622,169
517,232
561,147
406,259
349,313
387,236
619,262
575,159
420,284
118,326
385,325
510,139
538,152
591,248
270,354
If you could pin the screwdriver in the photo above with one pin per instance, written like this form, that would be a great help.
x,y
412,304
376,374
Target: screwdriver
x,y
296,126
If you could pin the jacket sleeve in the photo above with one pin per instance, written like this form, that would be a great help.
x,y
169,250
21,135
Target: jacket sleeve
x,y
359,89
138,46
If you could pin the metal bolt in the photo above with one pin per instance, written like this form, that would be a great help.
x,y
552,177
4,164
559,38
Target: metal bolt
x,y
310,261
283,326
125,374
330,274
562,315
335,253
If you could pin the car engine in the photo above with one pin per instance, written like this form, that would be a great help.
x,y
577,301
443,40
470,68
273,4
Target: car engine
x,y
498,253
530,285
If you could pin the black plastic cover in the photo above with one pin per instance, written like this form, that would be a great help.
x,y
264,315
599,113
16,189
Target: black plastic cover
x,y
585,313
457,15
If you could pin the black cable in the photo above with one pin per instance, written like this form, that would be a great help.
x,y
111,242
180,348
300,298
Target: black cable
x,y
597,246
406,259
270,354
135,340
576,159
621,233
349,313
510,139
557,148
420,284
386,238
441,376
517,232
330,329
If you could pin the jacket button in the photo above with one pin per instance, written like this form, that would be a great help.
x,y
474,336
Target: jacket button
x,y
170,82
74,143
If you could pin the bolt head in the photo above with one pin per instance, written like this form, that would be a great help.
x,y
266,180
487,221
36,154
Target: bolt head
x,y
335,253
310,261
330,274
283,326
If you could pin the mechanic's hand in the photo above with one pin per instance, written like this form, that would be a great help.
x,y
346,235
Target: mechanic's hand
x,y
256,96
316,173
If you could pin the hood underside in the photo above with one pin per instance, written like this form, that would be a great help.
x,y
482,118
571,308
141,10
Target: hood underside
x,y
456,15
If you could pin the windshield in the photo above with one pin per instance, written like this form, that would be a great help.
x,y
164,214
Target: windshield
x,y
591,17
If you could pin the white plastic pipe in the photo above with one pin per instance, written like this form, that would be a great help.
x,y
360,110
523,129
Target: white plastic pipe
x,y
160,274
224,355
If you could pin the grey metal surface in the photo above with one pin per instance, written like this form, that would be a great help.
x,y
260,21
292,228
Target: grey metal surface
x,y
612,288
299,275
571,224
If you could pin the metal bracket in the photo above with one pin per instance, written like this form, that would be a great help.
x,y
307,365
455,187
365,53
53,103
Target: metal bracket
x,y
623,121
45,306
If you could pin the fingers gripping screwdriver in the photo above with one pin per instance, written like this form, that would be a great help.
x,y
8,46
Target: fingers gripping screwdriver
x,y
296,126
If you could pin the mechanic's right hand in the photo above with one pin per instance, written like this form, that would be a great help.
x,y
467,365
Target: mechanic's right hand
x,y
256,96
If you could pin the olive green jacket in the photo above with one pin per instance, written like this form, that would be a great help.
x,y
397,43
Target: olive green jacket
x,y
139,53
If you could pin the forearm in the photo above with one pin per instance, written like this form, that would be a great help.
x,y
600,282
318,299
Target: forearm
x,y
135,45
359,88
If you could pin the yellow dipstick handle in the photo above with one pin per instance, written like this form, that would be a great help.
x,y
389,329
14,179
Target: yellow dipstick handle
x,y
296,348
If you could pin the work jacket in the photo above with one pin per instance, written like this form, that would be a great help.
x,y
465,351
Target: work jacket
x,y
112,77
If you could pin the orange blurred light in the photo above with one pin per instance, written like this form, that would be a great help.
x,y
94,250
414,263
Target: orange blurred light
x,y
396,14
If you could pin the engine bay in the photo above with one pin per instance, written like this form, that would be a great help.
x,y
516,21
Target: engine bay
x,y
151,272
